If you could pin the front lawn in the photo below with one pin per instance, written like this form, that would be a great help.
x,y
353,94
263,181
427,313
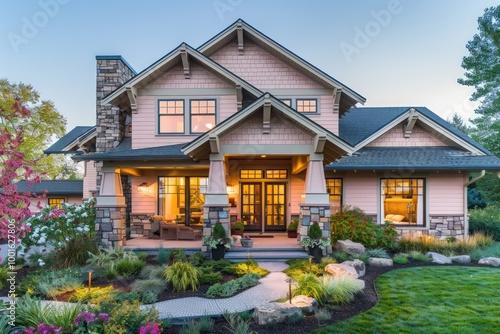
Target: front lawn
x,y
431,300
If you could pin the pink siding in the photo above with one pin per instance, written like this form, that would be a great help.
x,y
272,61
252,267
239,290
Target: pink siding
x,y
144,203
446,193
297,186
395,137
261,69
45,201
327,119
89,179
227,106
361,190
282,132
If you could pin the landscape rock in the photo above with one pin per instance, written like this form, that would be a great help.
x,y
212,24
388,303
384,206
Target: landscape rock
x,y
438,258
349,247
275,313
339,270
306,304
358,265
460,259
491,261
380,262
360,283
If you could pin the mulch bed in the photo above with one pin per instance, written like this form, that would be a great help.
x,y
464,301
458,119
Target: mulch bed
x,y
361,303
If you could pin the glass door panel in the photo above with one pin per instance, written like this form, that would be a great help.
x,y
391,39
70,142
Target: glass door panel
x,y
251,206
275,207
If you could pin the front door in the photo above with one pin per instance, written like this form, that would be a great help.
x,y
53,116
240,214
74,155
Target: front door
x,y
275,207
263,211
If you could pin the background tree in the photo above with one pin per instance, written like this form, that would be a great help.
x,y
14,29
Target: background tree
x,y
482,71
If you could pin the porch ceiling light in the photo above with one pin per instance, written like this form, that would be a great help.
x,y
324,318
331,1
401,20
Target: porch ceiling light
x,y
143,188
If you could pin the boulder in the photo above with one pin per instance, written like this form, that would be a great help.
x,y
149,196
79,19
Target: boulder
x,y
491,261
380,262
349,247
360,283
438,258
460,259
339,270
275,312
306,304
358,265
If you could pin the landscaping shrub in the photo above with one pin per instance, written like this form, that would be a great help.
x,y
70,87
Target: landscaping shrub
x,y
129,317
448,247
353,224
378,252
208,276
149,297
298,267
314,231
486,220
237,324
89,322
178,255
131,296
153,272
56,227
192,328
206,324
154,285
232,287
489,251
248,267
338,290
95,296
4,275
197,259
76,251
183,276
400,259
127,267
163,256
323,314
218,265
50,283
419,257
310,286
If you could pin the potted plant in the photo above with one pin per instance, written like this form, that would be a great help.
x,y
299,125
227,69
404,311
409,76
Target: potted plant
x,y
237,227
218,242
315,243
292,228
246,242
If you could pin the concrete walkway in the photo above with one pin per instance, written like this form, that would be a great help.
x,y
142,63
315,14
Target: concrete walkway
x,y
271,287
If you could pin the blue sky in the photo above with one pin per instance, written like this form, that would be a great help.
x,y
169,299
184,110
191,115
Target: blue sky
x,y
393,52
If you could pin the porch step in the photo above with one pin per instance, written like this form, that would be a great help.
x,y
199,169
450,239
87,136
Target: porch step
x,y
240,254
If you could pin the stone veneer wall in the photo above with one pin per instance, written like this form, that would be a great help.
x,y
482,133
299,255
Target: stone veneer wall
x,y
212,215
440,227
310,214
110,226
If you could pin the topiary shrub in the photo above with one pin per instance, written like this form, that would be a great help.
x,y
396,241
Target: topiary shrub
x,y
314,231
219,232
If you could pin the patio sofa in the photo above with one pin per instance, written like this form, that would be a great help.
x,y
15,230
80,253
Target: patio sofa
x,y
173,231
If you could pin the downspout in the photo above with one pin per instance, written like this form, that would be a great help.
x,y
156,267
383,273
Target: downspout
x,y
466,216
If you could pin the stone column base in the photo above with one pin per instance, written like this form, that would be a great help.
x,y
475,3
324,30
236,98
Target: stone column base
x,y
212,215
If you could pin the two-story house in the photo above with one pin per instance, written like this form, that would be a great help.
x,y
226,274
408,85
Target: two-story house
x,y
241,127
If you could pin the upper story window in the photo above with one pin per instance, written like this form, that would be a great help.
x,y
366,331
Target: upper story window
x,y
171,116
288,102
251,174
307,105
276,174
202,115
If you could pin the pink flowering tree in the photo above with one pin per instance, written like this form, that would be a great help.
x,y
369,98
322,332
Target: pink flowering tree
x,y
14,205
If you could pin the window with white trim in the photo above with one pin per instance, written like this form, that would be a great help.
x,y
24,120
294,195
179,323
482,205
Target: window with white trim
x,y
403,201
202,115
171,116
307,106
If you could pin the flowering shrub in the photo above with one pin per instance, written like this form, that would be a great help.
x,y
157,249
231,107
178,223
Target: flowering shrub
x,y
353,224
90,323
150,328
43,329
237,225
56,227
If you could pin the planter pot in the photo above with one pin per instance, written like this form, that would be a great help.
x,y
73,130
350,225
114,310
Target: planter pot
x,y
237,232
316,253
292,234
246,243
218,253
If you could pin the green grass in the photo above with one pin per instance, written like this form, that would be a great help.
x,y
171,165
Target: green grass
x,y
430,300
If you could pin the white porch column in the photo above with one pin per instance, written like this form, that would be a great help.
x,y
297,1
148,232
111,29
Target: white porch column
x,y
110,209
216,206
315,187
316,206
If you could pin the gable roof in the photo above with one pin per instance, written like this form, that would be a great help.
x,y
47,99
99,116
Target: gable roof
x,y
404,159
350,97
124,151
66,143
199,146
54,187
168,62
360,126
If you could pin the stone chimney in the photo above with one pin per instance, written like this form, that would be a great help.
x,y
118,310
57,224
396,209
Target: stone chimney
x,y
112,72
